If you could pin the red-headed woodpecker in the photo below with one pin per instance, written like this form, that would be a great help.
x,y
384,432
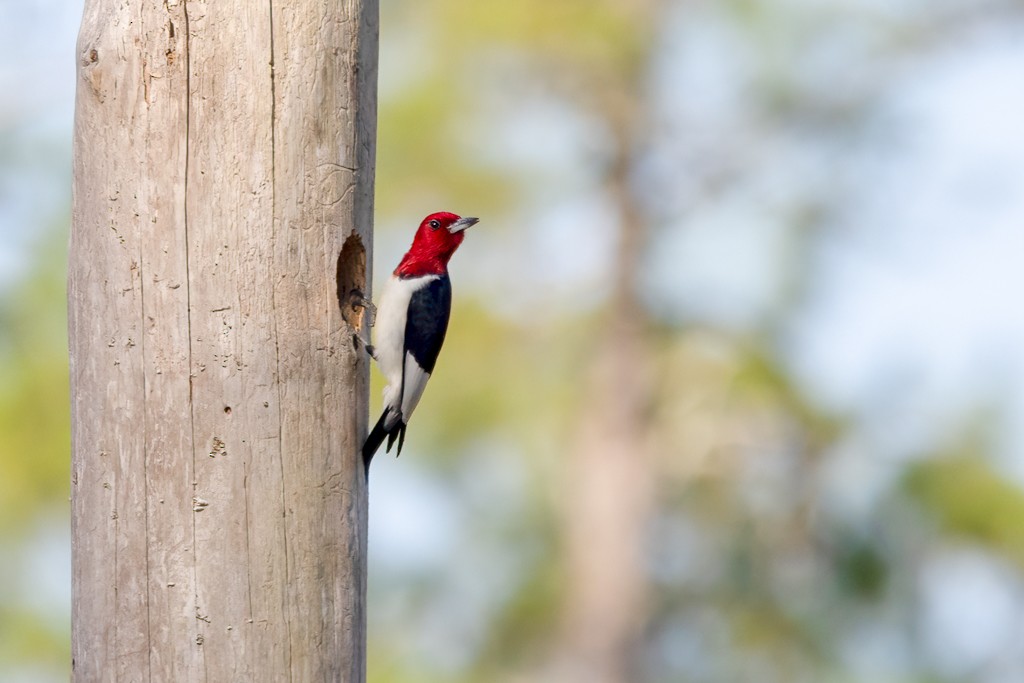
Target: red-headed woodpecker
x,y
411,322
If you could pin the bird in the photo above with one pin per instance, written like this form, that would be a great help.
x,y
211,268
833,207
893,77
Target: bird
x,y
411,321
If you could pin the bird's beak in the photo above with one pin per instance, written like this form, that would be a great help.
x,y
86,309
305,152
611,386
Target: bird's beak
x,y
462,224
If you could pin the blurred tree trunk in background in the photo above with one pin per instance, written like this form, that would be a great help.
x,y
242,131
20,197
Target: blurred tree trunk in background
x,y
223,198
610,478
610,469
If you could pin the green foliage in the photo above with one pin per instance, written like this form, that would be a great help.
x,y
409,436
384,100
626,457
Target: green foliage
x,y
34,401
25,638
969,499
584,35
34,450
861,570
410,164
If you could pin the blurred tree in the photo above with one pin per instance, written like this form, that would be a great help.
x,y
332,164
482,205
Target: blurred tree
x,y
597,52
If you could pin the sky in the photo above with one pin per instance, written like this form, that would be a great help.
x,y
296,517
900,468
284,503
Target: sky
x,y
917,326
37,67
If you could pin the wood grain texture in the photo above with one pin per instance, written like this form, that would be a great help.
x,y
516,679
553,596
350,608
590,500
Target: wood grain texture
x,y
224,153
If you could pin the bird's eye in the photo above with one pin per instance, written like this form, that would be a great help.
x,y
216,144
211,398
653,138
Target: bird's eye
x,y
435,224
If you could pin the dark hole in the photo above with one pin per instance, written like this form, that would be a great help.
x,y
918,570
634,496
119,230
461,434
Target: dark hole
x,y
351,278
227,410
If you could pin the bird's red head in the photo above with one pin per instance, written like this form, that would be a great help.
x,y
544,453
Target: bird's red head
x,y
437,238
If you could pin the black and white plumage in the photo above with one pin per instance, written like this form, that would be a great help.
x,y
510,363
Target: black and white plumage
x,y
411,322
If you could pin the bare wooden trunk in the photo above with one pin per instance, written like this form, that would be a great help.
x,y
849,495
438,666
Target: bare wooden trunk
x,y
224,162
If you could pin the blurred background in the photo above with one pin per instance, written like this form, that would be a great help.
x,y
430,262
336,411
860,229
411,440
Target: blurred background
x,y
734,387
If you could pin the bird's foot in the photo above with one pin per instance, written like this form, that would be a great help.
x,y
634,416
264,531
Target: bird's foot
x,y
356,299
358,341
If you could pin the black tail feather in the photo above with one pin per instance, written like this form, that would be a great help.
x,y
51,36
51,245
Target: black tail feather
x,y
398,432
377,436
401,440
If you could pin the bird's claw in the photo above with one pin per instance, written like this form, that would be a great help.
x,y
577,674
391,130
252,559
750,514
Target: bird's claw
x,y
356,299
358,341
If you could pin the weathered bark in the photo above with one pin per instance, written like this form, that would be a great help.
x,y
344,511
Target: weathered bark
x,y
224,156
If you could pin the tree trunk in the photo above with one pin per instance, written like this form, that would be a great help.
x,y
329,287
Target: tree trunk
x,y
223,198
609,501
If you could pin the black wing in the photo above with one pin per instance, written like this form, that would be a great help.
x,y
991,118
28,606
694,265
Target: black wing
x,y
427,322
